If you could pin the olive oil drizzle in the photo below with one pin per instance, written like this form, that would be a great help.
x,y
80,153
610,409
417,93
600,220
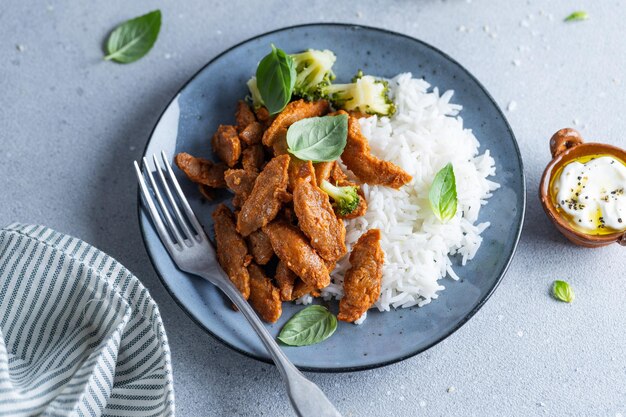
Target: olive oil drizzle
x,y
574,203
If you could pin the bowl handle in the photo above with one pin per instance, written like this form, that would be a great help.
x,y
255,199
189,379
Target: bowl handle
x,y
563,140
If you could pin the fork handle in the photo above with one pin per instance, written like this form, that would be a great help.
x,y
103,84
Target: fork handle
x,y
307,399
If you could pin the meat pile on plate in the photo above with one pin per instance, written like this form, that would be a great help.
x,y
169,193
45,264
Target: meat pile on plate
x,y
280,212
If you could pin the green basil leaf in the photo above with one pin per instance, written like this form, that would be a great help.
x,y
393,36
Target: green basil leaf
x,y
577,16
309,326
318,139
275,78
442,194
562,291
134,38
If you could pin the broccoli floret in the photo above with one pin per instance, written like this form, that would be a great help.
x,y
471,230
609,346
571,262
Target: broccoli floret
x,y
365,94
314,71
346,198
255,95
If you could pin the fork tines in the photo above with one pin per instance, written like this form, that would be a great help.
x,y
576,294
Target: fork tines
x,y
177,229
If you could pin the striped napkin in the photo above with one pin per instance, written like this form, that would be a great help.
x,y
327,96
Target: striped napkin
x,y
79,334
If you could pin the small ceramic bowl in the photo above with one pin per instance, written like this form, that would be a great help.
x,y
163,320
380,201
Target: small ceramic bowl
x,y
567,145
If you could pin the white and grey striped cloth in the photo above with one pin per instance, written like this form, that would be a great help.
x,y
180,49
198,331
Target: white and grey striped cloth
x,y
79,334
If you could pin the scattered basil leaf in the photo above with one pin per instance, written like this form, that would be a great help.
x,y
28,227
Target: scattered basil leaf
x,y
134,38
442,194
275,78
562,291
577,16
318,139
308,327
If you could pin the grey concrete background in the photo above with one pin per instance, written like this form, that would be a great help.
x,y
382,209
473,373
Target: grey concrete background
x,y
71,125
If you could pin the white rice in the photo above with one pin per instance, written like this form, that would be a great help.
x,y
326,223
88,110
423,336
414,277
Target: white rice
x,y
424,135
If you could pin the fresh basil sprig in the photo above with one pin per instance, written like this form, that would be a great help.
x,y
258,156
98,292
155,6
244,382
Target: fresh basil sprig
x,y
577,16
134,38
442,194
562,291
318,139
309,326
275,78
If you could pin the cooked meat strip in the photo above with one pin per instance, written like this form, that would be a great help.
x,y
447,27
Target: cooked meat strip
x,y
285,279
337,174
291,287
241,182
253,158
300,170
367,167
207,192
284,196
226,145
362,282
264,296
297,167
323,171
292,247
252,134
318,221
289,215
232,252
300,289
296,110
267,196
280,143
264,116
244,115
260,247
358,114
330,265
201,171
238,201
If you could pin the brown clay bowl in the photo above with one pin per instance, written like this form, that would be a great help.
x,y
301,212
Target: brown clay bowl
x,y
567,145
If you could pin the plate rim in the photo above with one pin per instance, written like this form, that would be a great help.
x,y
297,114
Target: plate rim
x,y
342,369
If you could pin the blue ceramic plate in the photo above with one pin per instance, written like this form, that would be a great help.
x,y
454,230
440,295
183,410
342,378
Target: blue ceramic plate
x,y
209,99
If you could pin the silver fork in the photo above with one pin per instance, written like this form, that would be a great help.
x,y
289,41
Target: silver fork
x,y
191,250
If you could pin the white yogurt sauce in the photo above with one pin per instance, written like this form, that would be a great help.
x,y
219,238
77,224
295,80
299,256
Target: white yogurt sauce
x,y
591,194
